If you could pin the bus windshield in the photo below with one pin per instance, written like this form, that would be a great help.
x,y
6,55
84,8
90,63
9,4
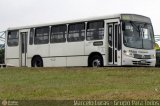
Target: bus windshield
x,y
138,35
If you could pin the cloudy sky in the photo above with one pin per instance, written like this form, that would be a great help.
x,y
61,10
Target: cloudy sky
x,y
28,12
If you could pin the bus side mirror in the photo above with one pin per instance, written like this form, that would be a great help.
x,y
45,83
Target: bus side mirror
x,y
123,26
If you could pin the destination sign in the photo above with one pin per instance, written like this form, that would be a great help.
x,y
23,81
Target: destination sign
x,y
133,17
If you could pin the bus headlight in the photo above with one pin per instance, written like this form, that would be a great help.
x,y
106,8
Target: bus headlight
x,y
127,53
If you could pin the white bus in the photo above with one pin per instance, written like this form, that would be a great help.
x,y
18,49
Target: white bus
x,y
116,40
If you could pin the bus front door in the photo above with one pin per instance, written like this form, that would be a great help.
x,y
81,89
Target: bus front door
x,y
23,48
114,55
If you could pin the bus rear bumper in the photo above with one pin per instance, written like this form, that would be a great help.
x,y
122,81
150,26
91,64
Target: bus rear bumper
x,y
128,61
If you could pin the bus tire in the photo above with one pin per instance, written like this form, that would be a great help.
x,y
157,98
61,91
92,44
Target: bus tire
x,y
96,61
37,62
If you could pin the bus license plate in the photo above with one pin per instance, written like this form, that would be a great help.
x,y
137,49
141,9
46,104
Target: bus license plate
x,y
143,61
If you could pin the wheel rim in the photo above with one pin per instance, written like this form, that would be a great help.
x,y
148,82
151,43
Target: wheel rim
x,y
37,63
96,63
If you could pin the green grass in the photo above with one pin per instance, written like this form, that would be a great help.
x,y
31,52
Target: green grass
x,y
109,83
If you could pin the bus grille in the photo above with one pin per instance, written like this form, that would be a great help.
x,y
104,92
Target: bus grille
x,y
140,63
138,56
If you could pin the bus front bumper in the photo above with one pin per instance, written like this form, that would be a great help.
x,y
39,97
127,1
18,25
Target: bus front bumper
x,y
129,61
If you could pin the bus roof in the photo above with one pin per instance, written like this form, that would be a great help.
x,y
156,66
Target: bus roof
x,y
74,21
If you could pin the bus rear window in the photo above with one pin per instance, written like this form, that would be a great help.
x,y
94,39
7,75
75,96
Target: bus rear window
x,y
12,38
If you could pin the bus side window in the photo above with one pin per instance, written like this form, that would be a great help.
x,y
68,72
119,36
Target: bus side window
x,y
76,32
41,35
110,35
13,38
31,36
95,30
58,34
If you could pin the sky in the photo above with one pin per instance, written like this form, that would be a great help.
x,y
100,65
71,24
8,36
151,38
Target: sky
x,y
15,13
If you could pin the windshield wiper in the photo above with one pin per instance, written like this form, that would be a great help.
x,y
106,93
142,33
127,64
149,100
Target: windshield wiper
x,y
136,27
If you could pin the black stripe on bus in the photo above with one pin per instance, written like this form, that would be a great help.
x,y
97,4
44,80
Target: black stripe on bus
x,y
63,56
12,58
53,56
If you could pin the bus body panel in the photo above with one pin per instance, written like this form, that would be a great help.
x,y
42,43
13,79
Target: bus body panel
x,y
75,53
39,50
12,56
57,54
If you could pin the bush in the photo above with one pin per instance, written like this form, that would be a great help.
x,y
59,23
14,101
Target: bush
x,y
1,56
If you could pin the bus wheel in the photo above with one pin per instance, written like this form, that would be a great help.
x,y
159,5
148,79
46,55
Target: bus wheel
x,y
96,61
37,62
